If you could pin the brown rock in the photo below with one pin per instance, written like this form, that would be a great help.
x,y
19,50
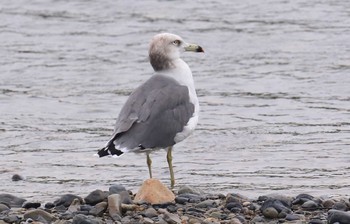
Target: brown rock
x,y
154,192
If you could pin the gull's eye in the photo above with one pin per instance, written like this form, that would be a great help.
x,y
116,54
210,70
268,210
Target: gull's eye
x,y
176,42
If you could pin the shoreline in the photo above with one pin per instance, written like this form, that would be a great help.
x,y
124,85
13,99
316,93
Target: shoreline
x,y
191,205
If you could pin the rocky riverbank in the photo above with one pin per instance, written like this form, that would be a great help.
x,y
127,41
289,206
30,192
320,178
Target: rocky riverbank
x,y
118,205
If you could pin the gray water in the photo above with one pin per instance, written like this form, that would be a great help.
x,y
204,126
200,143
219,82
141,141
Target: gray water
x,y
273,85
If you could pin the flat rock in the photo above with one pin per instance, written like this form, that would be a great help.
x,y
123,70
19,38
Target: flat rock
x,y
11,200
96,196
83,219
39,215
154,192
338,216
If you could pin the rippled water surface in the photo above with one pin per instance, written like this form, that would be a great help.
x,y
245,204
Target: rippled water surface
x,y
274,89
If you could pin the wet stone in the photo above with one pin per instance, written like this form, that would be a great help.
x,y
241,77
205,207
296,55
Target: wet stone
x,y
302,198
276,204
95,197
234,207
192,198
206,204
181,200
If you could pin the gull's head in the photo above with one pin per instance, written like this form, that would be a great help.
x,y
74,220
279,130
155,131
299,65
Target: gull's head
x,y
166,47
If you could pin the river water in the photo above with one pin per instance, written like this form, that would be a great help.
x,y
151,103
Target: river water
x,y
273,85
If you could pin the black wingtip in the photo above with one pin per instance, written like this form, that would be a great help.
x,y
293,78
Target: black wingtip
x,y
109,150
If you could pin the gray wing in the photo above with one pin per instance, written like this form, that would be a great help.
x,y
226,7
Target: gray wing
x,y
153,114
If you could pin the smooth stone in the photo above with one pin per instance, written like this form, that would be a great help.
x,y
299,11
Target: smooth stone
x,y
234,207
189,190
275,203
181,200
4,207
95,197
154,192
235,221
206,204
74,206
114,206
125,197
169,217
11,219
17,177
302,198
338,216
98,209
28,205
83,219
116,189
310,206
39,215
11,200
341,206
150,212
171,208
192,198
292,217
270,213
147,220
218,215
316,221
66,200
49,205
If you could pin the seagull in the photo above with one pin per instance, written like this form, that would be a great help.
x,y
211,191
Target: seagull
x,y
163,110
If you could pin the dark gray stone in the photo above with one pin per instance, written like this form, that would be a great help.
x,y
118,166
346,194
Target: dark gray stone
x,y
66,200
181,200
17,177
234,207
277,204
11,219
99,209
28,205
310,206
83,219
189,190
340,206
116,189
338,216
125,197
206,204
11,200
150,212
292,217
302,198
192,198
95,197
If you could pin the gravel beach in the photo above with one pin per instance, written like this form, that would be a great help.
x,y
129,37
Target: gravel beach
x,y
191,205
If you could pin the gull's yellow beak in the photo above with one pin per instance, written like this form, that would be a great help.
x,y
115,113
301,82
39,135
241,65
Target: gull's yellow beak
x,y
193,48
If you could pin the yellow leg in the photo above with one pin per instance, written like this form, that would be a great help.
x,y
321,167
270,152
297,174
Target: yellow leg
x,y
149,164
170,164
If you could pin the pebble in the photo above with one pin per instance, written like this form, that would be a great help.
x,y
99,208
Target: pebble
x,y
270,212
28,205
83,219
189,190
310,206
151,212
